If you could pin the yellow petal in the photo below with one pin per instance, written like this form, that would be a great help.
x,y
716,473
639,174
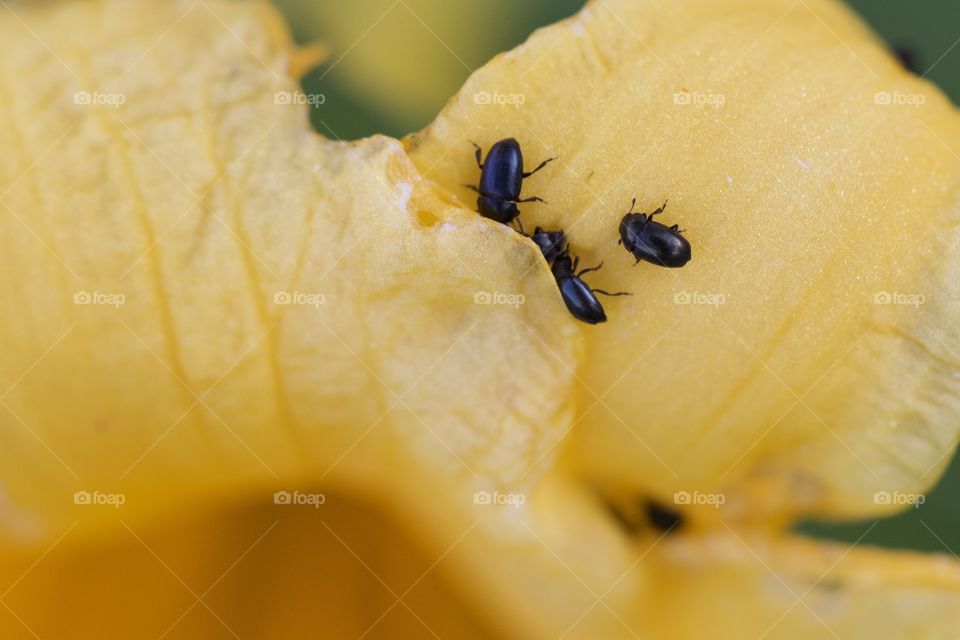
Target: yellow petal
x,y
803,360
219,298
255,570
744,585
212,304
267,571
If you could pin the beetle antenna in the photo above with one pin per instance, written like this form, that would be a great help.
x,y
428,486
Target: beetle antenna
x,y
596,268
660,210
607,293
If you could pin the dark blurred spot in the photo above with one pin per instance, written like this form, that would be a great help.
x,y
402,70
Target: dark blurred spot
x,y
641,514
908,58
661,517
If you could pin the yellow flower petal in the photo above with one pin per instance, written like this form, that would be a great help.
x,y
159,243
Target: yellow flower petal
x,y
218,297
213,304
272,571
802,361
743,585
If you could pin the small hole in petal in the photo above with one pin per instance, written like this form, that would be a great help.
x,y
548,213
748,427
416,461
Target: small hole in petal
x,y
427,219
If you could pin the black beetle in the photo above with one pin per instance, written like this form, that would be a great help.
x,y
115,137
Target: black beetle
x,y
577,295
551,243
501,178
651,241
579,298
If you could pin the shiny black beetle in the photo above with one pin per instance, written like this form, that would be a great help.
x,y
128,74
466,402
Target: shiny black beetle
x,y
577,295
649,240
501,178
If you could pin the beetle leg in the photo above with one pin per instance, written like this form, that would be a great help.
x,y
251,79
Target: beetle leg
x,y
479,154
533,199
542,165
596,268
607,293
472,187
519,224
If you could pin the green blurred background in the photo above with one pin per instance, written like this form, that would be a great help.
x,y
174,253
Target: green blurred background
x,y
394,63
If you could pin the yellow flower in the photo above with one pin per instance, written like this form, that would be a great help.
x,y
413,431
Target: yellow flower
x,y
261,384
